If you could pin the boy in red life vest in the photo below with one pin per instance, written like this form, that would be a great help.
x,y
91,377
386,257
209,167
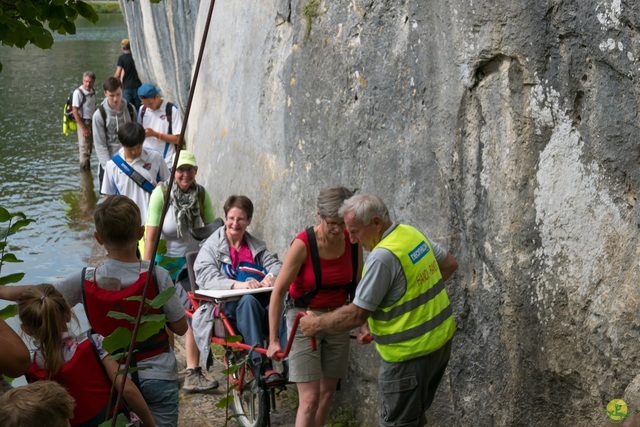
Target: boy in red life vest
x,y
118,229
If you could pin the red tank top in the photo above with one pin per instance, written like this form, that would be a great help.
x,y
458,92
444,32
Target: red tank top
x,y
336,273
86,381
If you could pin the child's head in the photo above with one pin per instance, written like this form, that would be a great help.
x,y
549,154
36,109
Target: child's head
x,y
44,314
131,135
43,403
117,221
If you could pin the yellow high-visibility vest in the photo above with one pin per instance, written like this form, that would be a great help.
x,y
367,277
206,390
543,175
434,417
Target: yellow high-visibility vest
x,y
422,320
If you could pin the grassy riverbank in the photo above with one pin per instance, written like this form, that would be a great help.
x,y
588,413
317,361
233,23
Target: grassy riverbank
x,y
105,6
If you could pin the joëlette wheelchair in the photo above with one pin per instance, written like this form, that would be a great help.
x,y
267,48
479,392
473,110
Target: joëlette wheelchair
x,y
253,398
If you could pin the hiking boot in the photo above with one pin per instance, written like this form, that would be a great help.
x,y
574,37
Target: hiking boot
x,y
196,382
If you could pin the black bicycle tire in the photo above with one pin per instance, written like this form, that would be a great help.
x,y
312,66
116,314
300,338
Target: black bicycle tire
x,y
251,394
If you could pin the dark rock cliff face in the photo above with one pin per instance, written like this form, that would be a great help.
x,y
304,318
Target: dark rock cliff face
x,y
507,131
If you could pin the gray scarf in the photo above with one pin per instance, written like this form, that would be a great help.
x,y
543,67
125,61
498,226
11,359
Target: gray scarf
x,y
187,207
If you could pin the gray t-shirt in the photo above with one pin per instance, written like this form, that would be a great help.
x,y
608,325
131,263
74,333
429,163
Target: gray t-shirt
x,y
384,281
162,366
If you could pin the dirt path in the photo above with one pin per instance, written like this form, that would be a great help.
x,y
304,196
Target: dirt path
x,y
198,409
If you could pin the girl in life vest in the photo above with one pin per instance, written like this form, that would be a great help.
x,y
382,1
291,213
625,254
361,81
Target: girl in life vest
x,y
76,362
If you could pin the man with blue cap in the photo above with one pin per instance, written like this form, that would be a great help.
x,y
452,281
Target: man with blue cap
x,y
162,121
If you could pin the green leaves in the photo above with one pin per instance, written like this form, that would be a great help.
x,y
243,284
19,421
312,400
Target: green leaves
x,y
23,22
27,10
11,278
121,421
150,324
159,300
13,226
9,312
117,340
5,215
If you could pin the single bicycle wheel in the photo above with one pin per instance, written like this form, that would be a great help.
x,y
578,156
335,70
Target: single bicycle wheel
x,y
250,403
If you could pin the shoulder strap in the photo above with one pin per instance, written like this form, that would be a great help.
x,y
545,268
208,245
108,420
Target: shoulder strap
x,y
169,115
201,194
103,113
305,299
124,405
83,98
144,110
354,268
132,112
132,173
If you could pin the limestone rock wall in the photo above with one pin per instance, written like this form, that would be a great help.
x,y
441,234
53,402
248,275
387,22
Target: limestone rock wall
x,y
506,130
162,39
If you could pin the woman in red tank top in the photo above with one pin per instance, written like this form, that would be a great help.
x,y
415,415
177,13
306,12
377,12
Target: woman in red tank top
x,y
323,250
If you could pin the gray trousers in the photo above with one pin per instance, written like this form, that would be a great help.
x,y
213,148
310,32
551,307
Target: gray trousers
x,y
408,387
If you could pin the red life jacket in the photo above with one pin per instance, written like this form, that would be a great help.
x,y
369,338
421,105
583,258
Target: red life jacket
x,y
99,302
86,380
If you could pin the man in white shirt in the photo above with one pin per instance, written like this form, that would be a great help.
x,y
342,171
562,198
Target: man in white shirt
x,y
134,171
83,106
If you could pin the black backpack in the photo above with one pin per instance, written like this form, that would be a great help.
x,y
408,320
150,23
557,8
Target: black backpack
x,y
103,113
68,106
167,113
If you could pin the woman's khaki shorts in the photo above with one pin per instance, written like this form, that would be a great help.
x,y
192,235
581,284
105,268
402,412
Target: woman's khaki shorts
x,y
330,359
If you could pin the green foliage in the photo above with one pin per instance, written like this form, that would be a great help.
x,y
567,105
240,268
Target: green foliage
x,y
15,221
150,324
310,11
110,7
159,300
121,421
23,22
342,417
9,311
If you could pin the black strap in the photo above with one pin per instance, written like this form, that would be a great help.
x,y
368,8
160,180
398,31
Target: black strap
x,y
351,289
84,96
167,112
94,346
103,113
305,299
132,112
169,115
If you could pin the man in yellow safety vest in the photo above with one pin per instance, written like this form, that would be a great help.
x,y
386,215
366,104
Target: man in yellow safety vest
x,y
401,301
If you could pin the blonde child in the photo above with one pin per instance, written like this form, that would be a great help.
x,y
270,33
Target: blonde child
x,y
77,362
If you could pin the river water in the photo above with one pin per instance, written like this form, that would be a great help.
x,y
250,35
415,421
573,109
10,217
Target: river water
x,y
39,173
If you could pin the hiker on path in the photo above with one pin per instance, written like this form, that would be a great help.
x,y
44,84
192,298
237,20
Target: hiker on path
x,y
134,171
190,207
319,272
162,122
403,298
83,105
127,74
107,120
